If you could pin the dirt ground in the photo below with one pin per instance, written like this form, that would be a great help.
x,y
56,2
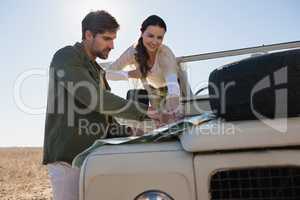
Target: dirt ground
x,y
22,176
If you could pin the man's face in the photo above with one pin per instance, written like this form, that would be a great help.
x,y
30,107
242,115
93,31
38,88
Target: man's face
x,y
102,43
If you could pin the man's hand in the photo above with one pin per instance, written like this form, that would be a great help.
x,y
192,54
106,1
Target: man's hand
x,y
153,114
163,118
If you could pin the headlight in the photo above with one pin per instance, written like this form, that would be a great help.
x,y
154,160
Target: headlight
x,y
153,195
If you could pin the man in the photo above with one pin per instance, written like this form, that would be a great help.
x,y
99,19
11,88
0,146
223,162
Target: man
x,y
80,107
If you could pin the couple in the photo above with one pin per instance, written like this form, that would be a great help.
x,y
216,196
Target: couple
x,y
80,106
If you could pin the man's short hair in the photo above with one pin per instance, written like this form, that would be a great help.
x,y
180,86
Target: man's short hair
x,y
99,22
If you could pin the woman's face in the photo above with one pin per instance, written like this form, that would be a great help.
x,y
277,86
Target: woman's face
x,y
153,37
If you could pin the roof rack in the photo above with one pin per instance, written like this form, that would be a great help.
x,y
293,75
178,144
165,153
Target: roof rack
x,y
237,52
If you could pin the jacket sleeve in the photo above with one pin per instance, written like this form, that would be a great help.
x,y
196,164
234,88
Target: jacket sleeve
x,y
78,81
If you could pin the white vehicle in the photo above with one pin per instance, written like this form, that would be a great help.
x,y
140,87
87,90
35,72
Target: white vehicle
x,y
218,160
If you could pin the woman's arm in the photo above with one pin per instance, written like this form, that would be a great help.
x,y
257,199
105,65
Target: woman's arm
x,y
123,75
127,58
173,97
169,67
172,84
114,70
116,75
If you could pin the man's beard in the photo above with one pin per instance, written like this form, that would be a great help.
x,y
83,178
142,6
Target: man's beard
x,y
102,54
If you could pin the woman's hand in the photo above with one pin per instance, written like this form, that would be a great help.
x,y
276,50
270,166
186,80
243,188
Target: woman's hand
x,y
164,118
154,115
135,74
173,104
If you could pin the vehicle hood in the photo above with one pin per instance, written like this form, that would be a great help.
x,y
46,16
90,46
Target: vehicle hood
x,y
218,135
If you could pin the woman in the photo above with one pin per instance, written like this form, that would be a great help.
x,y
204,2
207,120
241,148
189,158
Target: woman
x,y
156,65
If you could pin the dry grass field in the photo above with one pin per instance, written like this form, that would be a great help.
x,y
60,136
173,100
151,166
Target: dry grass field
x,y
22,176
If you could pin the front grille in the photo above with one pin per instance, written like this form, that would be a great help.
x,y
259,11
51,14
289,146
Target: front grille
x,y
265,183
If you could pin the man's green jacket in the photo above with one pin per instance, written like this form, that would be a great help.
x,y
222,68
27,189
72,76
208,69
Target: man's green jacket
x,y
80,106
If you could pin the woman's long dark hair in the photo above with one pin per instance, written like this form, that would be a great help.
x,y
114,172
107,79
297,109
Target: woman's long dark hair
x,y
142,55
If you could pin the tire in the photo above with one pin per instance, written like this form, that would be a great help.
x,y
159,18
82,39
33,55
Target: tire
x,y
257,87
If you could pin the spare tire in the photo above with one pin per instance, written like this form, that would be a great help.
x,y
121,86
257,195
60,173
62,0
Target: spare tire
x,y
266,86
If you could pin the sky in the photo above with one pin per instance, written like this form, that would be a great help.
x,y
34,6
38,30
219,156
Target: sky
x,y
33,30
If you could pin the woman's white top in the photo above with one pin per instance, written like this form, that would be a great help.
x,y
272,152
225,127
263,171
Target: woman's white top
x,y
162,74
